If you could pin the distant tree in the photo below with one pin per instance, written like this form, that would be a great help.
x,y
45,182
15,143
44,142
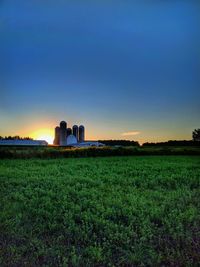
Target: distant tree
x,y
119,142
16,137
27,138
196,135
173,143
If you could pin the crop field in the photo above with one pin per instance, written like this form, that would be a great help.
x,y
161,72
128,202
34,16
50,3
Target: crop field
x,y
109,211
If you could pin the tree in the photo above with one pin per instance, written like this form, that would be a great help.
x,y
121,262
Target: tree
x,y
16,137
196,135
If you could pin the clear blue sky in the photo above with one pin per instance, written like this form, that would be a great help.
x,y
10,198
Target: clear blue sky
x,y
114,66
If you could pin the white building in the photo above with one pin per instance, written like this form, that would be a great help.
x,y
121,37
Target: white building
x,y
71,140
19,142
88,144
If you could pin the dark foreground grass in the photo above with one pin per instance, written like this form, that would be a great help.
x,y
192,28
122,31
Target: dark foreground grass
x,y
116,211
53,152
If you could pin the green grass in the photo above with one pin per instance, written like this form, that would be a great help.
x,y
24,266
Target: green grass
x,y
115,211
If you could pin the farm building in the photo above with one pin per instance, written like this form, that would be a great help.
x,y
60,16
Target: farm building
x,y
19,142
73,137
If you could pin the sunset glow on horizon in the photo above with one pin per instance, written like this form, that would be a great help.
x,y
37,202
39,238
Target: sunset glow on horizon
x,y
43,134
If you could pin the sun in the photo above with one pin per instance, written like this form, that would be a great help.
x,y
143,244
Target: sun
x,y
43,134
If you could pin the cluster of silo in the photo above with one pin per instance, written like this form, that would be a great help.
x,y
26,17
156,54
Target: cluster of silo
x,y
66,136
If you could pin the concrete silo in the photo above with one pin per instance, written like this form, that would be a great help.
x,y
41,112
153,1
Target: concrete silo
x,y
69,131
75,131
56,140
63,133
81,131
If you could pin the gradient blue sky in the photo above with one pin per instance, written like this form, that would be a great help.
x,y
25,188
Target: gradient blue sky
x,y
114,66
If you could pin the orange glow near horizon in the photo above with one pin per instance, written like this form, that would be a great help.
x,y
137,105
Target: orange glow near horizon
x,y
43,134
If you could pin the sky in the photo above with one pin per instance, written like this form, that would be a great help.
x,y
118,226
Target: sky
x,y
125,69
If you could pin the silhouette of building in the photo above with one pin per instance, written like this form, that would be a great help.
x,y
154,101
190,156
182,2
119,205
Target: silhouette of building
x,y
57,136
75,131
81,133
66,136
63,133
74,137
69,131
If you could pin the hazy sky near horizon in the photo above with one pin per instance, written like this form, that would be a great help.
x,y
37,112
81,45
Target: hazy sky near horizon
x,y
118,67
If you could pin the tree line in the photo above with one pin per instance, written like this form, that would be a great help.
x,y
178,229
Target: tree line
x,y
16,137
173,143
119,142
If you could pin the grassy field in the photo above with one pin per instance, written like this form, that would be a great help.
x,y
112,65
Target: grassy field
x,y
110,211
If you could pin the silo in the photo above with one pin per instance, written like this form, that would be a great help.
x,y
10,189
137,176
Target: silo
x,y
56,141
69,131
81,131
75,131
63,133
